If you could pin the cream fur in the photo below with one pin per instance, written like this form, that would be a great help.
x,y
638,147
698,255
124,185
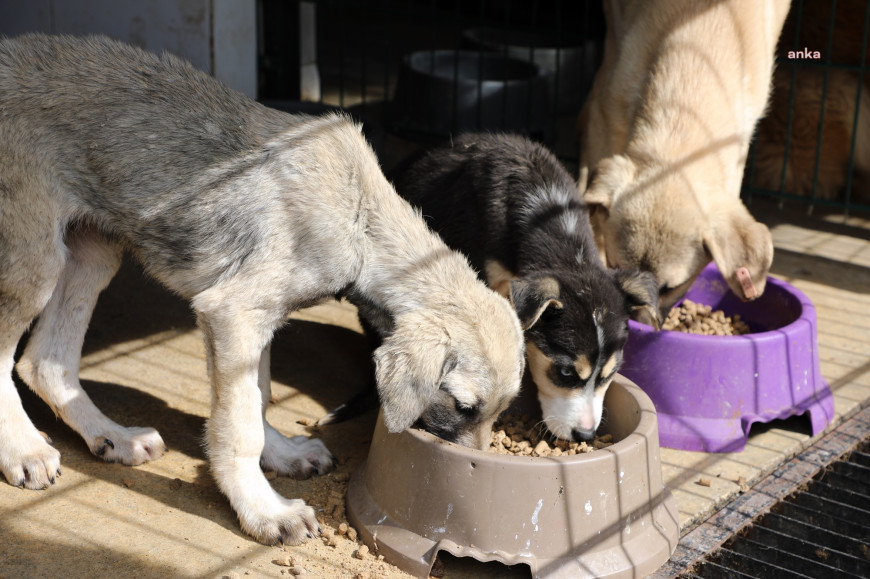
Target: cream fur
x,y
665,134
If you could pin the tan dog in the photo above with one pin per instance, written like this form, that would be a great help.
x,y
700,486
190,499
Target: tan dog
x,y
665,134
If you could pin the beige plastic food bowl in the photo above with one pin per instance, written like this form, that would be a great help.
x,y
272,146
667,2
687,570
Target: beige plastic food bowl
x,y
602,514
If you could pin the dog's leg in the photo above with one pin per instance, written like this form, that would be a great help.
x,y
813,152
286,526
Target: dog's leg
x,y
235,338
30,264
297,457
50,363
26,457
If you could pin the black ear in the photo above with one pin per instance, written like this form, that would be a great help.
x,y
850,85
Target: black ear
x,y
530,297
641,294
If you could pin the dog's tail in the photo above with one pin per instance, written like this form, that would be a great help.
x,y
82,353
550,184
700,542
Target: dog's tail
x,y
360,403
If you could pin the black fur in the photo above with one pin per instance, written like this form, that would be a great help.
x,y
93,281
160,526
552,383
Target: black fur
x,y
504,198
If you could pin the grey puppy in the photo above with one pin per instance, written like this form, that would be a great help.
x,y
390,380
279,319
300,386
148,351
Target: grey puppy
x,y
250,214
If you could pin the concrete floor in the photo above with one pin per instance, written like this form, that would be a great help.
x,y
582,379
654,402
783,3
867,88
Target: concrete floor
x,y
143,365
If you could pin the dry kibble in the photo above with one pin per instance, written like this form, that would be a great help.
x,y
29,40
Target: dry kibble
x,y
284,561
542,449
693,318
342,529
705,482
521,436
351,534
361,552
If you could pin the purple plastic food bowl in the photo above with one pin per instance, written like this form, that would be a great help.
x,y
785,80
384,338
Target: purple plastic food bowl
x,y
709,390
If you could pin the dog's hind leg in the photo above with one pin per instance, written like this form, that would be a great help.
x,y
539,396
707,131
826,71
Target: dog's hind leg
x,y
297,457
27,277
50,363
236,335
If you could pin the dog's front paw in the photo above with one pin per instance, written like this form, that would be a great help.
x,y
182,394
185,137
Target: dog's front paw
x,y
291,524
298,457
28,460
130,446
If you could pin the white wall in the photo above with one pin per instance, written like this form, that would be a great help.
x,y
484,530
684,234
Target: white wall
x,y
217,36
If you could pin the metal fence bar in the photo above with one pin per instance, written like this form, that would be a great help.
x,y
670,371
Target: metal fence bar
x,y
851,166
792,83
830,42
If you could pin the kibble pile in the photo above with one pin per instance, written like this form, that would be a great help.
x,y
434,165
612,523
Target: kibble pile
x,y
521,436
695,318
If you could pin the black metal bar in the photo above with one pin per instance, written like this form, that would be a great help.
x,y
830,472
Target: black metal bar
x,y
364,60
824,202
820,133
754,567
790,118
829,499
849,476
851,164
530,97
710,570
828,555
341,74
799,562
860,457
813,525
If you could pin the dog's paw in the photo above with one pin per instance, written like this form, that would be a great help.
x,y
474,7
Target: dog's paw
x,y
130,446
291,524
29,461
298,457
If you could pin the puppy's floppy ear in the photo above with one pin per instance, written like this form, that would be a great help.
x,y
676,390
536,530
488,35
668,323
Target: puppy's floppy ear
x,y
607,181
530,297
735,241
641,294
409,369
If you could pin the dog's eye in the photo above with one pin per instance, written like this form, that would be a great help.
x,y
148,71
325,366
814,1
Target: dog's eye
x,y
566,371
465,409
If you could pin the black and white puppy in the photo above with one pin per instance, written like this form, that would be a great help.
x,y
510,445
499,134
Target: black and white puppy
x,y
510,206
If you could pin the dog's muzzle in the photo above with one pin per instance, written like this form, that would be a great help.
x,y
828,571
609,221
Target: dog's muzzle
x,y
582,435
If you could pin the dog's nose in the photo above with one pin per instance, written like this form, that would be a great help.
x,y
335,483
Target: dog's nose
x,y
582,434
